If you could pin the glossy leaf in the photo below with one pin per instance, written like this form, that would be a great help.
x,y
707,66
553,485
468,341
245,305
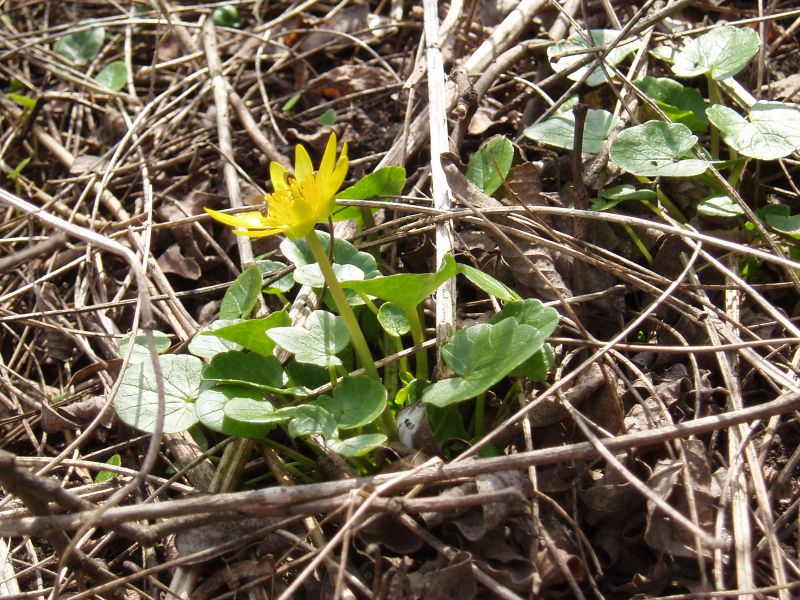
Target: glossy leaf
x,y
357,401
577,43
488,284
406,290
252,334
211,410
115,460
140,351
393,319
82,46
680,103
114,76
136,400
721,52
279,286
227,16
489,166
208,346
530,312
359,445
779,217
719,206
559,130
323,336
482,355
771,130
656,149
247,368
242,297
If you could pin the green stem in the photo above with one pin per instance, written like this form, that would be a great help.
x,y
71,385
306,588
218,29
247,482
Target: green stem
x,y
356,335
714,97
387,424
418,335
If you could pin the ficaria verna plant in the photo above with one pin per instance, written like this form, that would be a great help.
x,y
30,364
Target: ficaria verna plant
x,y
232,382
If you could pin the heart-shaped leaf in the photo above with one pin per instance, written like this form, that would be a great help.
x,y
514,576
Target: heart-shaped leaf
x,y
489,166
344,253
559,130
82,46
721,52
207,346
393,319
771,130
612,196
140,351
309,419
136,400
406,289
242,296
719,206
489,284
252,334
680,103
247,368
657,149
279,286
482,355
530,312
575,46
211,410
114,76
356,401
778,216
323,336
359,445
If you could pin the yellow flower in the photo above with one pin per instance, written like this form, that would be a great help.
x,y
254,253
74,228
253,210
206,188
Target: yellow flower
x,y
297,203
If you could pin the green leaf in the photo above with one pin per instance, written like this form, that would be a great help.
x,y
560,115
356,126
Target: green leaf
x,y
115,460
530,312
243,411
489,166
537,366
23,101
680,103
357,401
559,130
262,372
779,217
211,410
323,336
344,253
665,53
13,175
279,286
306,376
612,196
328,118
114,76
311,275
308,419
393,319
722,52
206,346
140,351
242,296
719,206
489,284
406,289
577,43
387,181
482,355
359,445
656,149
227,16
771,130
291,102
82,46
136,400
252,334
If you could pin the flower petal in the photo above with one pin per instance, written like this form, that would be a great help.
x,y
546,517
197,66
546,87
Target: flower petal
x,y
303,167
278,175
329,158
251,219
